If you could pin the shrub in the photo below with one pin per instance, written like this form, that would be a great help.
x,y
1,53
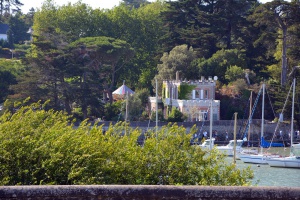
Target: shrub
x,y
41,147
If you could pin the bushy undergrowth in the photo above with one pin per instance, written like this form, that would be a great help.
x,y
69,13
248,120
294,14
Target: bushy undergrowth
x,y
41,147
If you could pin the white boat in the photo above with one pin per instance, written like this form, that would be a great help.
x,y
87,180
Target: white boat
x,y
290,161
293,160
250,151
227,149
206,143
260,158
246,151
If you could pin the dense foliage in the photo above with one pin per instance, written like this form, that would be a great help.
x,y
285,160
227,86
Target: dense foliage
x,y
40,146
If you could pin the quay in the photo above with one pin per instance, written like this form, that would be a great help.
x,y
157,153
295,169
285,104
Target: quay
x,y
220,127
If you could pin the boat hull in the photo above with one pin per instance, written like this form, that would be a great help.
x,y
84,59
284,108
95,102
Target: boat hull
x,y
228,151
256,159
292,162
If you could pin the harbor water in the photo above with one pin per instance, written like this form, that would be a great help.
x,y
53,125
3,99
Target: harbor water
x,y
264,175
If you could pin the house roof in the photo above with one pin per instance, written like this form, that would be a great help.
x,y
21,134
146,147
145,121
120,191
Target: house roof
x,y
4,28
123,90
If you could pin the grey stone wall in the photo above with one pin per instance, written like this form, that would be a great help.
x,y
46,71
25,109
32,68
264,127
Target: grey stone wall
x,y
221,126
143,192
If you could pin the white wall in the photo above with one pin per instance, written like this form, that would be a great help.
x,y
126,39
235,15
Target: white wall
x,y
3,37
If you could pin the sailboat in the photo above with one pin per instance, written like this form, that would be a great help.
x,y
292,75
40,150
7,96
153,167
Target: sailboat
x,y
293,160
259,158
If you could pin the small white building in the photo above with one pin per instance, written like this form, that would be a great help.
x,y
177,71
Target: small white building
x,y
3,31
192,98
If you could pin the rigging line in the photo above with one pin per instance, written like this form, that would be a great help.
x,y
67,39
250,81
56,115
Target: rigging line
x,y
271,104
244,118
252,112
277,125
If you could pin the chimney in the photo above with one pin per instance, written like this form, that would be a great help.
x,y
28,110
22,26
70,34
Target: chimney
x,y
177,76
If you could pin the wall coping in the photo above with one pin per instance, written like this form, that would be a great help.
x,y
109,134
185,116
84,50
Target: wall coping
x,y
157,192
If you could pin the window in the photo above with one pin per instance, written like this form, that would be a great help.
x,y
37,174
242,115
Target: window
x,y
205,94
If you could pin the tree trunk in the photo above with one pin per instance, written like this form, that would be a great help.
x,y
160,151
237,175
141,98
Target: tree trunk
x,y
228,40
284,58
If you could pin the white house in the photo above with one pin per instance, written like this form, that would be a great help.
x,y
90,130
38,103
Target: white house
x,y
195,102
3,31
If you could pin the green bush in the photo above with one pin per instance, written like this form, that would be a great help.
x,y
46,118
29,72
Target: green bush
x,y
160,116
41,147
176,116
113,111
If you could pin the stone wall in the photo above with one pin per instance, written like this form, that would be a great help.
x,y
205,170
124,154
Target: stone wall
x,y
221,126
217,125
143,192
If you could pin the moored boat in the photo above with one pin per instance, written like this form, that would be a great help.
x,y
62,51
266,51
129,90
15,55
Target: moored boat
x,y
226,149
259,158
206,143
292,161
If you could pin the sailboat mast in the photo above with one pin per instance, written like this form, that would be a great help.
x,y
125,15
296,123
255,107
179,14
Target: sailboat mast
x,y
210,126
234,138
292,120
250,120
262,116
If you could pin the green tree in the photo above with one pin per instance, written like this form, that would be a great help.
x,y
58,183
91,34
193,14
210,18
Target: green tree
x,y
178,59
135,108
137,104
233,73
141,28
39,146
176,116
49,71
276,18
160,116
10,70
143,95
6,79
73,21
113,111
106,55
207,26
218,64
19,28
